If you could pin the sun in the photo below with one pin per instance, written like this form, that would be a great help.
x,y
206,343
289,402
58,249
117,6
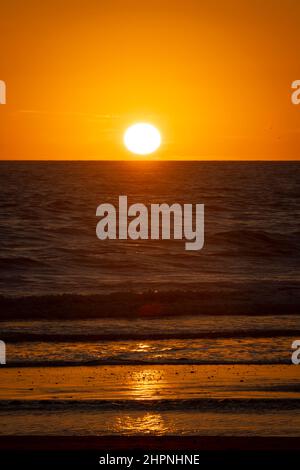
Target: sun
x,y
142,138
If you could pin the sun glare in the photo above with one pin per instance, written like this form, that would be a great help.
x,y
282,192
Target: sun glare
x,y
142,138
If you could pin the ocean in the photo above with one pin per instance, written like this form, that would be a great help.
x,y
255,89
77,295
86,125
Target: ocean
x,y
134,337
48,223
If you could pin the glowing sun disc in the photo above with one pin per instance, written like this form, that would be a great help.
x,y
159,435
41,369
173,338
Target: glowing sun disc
x,y
142,138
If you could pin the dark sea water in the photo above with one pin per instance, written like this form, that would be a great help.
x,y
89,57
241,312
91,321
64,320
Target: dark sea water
x,y
223,318
48,221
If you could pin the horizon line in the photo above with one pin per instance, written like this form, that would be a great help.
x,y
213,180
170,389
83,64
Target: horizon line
x,y
143,160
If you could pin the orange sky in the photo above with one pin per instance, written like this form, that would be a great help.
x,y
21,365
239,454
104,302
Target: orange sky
x,y
214,76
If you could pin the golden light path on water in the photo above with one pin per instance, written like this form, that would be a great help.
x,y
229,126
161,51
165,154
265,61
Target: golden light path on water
x,y
144,384
149,423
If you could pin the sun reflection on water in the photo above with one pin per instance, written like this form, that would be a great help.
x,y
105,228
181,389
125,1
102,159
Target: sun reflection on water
x,y
146,383
141,347
149,423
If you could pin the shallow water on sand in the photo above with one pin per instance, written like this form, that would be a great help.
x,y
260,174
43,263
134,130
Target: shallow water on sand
x,y
180,400
139,423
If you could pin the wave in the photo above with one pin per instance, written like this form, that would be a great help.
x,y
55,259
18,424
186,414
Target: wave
x,y
20,337
18,262
132,362
256,242
204,404
202,298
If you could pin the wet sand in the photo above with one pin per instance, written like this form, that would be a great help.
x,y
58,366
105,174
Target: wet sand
x,y
144,382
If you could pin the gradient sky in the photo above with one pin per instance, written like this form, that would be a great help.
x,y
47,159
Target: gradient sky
x,y
214,76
